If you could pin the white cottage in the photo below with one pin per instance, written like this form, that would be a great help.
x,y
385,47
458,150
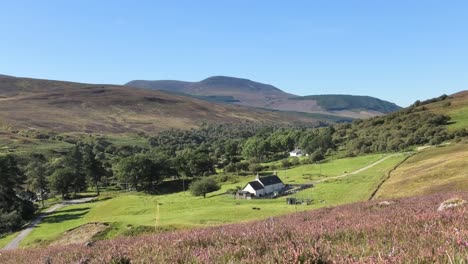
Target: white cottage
x,y
297,153
264,186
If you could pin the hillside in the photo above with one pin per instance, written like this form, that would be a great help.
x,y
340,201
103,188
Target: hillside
x,y
337,102
356,233
241,89
432,170
455,106
74,107
249,93
435,169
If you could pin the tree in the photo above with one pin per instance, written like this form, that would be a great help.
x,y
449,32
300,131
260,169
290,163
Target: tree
x,y
203,186
10,179
61,180
36,171
13,210
189,162
255,147
74,162
142,172
93,168
317,155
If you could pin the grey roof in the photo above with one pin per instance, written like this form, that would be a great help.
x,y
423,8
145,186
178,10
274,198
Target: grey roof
x,y
255,185
270,180
296,151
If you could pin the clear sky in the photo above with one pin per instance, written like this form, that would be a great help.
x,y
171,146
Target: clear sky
x,y
395,50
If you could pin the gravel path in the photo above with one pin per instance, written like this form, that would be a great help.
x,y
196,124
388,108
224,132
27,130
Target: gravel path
x,y
14,244
357,171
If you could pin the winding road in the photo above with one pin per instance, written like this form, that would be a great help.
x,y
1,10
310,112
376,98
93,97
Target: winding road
x,y
14,244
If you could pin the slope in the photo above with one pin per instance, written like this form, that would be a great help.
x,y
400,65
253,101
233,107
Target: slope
x,y
455,106
246,92
44,105
339,102
435,169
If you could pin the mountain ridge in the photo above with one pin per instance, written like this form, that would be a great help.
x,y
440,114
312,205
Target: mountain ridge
x,y
61,106
246,92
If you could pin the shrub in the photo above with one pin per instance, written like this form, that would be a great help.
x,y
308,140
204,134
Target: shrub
x,y
285,163
295,161
255,167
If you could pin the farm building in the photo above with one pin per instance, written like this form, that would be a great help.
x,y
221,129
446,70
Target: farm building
x,y
297,152
264,186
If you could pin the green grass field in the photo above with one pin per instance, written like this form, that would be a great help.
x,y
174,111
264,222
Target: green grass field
x,y
182,210
459,117
311,172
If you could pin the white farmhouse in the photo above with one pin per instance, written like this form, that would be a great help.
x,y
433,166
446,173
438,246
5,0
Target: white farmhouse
x,y
264,186
297,153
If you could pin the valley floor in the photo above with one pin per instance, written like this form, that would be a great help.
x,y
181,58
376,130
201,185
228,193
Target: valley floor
x,y
132,213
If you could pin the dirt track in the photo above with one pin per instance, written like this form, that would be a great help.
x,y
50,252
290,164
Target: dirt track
x,y
357,171
14,244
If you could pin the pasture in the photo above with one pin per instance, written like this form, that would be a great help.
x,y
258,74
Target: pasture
x,y
127,211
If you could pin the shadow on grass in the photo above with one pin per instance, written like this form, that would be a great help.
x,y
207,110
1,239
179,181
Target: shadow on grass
x,y
63,217
69,211
100,199
220,194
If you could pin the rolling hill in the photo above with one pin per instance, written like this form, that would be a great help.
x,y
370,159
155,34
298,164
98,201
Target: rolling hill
x,y
76,107
434,169
249,93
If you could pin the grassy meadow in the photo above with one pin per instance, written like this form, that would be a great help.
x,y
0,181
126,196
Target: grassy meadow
x,y
459,117
435,169
128,210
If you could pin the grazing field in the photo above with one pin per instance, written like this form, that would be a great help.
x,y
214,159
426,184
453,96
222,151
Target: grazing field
x,y
409,230
436,169
312,172
127,211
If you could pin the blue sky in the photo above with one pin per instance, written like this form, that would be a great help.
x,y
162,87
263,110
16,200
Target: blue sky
x,y
395,50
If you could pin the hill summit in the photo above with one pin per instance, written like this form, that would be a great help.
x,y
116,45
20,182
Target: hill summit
x,y
238,88
255,94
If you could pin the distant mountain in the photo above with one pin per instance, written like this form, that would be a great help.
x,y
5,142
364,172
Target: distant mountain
x,y
97,108
5,76
339,102
249,93
240,89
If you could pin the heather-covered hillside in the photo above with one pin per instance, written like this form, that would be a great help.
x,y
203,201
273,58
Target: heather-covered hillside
x,y
393,231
